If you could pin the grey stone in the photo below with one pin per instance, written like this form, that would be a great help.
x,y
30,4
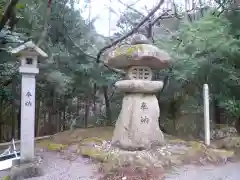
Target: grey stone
x,y
22,170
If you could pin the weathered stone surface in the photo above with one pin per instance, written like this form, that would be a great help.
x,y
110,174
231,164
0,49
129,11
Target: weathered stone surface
x,y
27,170
228,143
139,86
137,125
224,132
138,55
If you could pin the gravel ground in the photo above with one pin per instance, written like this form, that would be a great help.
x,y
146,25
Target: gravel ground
x,y
61,168
224,172
58,166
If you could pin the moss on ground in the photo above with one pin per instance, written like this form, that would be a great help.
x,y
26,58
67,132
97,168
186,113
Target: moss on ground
x,y
56,147
228,143
64,139
87,147
6,178
89,143
51,146
91,140
96,154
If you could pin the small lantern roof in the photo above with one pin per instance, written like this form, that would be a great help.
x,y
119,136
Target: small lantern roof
x,y
29,46
139,53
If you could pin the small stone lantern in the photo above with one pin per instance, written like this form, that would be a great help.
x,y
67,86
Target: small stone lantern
x,y
137,126
28,54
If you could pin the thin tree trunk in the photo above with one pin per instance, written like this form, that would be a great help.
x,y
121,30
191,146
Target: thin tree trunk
x,y
1,116
13,110
37,119
64,120
237,125
19,123
54,112
94,97
217,111
86,115
108,108
59,120
78,106
64,114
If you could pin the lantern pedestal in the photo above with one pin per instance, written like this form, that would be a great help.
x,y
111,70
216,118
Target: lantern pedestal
x,y
137,126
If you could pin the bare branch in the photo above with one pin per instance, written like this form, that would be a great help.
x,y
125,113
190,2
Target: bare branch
x,y
158,18
129,20
79,48
221,6
130,32
133,9
92,57
175,11
45,27
170,32
7,13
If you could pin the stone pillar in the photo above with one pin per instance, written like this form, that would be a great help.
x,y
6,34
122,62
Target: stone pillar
x,y
28,55
137,126
27,116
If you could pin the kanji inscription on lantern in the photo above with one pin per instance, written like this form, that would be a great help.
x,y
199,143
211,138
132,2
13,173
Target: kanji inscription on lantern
x,y
144,106
28,103
28,94
144,119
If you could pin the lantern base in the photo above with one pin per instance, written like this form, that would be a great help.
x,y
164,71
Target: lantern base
x,y
137,126
139,86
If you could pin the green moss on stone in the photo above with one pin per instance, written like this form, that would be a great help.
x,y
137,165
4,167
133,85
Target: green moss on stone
x,y
129,50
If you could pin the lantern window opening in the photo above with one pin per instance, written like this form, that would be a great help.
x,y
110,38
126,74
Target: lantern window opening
x,y
140,72
29,61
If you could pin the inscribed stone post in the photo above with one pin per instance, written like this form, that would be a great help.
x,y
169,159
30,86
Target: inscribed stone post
x,y
28,54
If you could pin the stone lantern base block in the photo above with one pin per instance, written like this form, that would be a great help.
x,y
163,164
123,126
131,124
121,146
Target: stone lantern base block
x,y
137,126
25,170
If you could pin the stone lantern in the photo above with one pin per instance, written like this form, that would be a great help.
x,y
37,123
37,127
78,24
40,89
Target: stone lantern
x,y
28,54
137,126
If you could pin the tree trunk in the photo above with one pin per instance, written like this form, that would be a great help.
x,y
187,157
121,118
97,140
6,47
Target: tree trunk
x,y
86,115
64,117
1,116
94,97
217,111
19,122
13,109
237,125
54,112
38,117
78,106
108,108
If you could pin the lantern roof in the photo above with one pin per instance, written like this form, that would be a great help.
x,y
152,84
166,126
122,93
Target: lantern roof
x,y
29,46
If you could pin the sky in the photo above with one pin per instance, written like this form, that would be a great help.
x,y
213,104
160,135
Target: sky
x,y
100,9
